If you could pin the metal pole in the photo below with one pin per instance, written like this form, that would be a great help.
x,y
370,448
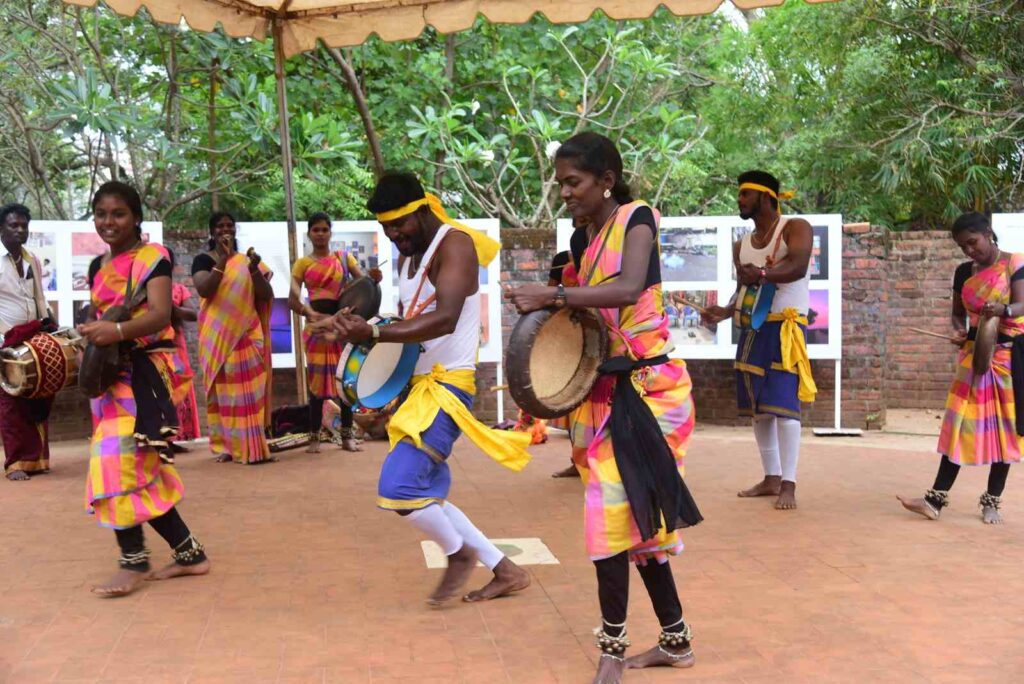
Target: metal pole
x,y
289,195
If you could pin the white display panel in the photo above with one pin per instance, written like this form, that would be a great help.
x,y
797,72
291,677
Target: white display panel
x,y
65,250
696,265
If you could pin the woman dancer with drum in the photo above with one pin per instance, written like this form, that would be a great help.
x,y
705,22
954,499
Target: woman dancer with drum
x,y
234,344
129,483
979,426
630,436
325,274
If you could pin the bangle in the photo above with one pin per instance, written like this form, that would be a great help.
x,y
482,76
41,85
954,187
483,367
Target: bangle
x,y
375,332
1006,311
120,332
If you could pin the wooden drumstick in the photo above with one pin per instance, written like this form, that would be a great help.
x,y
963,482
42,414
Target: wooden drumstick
x,y
933,334
499,388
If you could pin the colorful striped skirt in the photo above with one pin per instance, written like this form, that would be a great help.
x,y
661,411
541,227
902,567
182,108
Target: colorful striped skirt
x,y
236,404
979,425
128,482
609,525
322,357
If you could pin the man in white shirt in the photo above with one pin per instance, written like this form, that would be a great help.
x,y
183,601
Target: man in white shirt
x,y
23,422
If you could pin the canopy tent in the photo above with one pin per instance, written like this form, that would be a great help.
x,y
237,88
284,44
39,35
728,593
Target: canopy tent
x,y
297,25
343,24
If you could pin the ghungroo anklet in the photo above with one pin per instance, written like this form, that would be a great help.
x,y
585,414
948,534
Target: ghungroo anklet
x,y
612,645
989,501
613,657
675,639
188,552
676,656
937,499
134,561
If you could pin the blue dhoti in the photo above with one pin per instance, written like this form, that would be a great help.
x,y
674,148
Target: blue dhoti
x,y
413,478
762,384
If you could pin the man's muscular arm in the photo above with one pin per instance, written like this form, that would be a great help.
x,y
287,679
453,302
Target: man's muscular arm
x,y
799,237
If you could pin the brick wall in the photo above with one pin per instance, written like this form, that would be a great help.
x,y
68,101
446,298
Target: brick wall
x,y
891,281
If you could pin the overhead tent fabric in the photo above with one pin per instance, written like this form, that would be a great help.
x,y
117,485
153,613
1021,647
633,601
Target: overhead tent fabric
x,y
343,24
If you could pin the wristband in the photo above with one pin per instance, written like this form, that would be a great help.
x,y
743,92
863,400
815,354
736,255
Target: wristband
x,y
375,332
120,332
560,299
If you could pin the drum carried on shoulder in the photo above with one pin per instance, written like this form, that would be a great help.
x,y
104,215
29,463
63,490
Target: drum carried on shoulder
x,y
42,365
754,303
552,360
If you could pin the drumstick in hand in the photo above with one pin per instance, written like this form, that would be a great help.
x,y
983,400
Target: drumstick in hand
x,y
933,334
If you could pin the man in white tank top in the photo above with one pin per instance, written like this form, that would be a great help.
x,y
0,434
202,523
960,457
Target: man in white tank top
x,y
769,387
438,286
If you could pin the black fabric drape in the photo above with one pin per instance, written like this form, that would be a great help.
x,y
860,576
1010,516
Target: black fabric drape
x,y
644,459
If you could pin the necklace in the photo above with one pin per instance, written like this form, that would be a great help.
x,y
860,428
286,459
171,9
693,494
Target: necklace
x,y
768,234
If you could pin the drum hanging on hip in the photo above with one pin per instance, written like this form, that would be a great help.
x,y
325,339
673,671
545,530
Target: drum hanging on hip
x,y
984,345
372,375
42,365
753,305
552,360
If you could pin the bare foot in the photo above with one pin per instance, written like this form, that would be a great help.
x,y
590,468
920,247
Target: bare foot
x,y
223,458
609,670
769,486
920,506
17,476
787,496
460,566
172,570
571,471
990,515
351,444
121,584
660,656
314,447
508,579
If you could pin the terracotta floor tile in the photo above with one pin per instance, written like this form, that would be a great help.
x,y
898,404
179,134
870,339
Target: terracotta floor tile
x,y
311,583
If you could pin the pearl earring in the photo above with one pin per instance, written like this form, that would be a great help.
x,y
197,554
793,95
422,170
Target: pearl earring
x,y
607,193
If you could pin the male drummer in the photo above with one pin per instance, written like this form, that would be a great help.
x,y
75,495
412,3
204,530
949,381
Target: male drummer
x,y
23,310
770,385
439,292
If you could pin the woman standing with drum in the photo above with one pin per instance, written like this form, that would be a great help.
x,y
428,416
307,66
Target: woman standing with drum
x,y
629,437
325,275
129,482
234,344
979,426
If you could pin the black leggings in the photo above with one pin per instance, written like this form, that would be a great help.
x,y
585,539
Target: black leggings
x,y
170,526
613,593
316,412
948,471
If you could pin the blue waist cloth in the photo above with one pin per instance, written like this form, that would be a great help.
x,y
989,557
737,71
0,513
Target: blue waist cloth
x,y
413,478
761,384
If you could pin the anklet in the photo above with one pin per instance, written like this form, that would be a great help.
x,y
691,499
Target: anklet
x,y
613,657
936,499
611,645
989,501
677,656
675,639
191,554
134,561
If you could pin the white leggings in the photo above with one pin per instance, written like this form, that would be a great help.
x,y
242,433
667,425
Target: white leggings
x,y
778,440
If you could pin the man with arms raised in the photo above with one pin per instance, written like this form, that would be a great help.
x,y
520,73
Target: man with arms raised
x,y
773,374
439,292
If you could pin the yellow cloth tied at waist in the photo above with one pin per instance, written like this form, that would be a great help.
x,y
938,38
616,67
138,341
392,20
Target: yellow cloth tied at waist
x,y
428,396
486,246
794,351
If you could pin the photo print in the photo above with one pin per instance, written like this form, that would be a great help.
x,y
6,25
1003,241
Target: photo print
x,y
689,254
684,319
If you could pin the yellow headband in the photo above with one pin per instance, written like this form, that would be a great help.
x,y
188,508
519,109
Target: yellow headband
x,y
763,188
486,247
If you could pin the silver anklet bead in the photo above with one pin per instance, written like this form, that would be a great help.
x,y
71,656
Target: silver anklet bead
x,y
676,639
937,499
611,645
989,501
192,551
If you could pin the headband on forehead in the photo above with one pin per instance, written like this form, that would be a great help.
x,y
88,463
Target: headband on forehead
x,y
764,188
486,247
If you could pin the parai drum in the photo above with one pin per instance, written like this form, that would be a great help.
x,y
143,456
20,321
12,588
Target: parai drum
x,y
42,365
372,375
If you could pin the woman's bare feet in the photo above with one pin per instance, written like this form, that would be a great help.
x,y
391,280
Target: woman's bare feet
x,y
314,447
17,476
571,471
787,496
609,669
124,582
351,444
990,509
223,458
661,656
508,579
921,507
460,566
172,570
769,486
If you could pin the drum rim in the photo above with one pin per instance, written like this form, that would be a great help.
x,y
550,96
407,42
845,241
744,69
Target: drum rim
x,y
373,305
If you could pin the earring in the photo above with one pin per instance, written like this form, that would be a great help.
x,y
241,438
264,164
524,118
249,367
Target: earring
x,y
607,193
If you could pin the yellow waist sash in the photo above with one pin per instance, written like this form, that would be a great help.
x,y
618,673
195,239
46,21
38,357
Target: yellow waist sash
x,y
794,351
428,396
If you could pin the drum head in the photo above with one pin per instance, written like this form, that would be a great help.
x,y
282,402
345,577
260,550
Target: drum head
x,y
386,373
552,360
362,296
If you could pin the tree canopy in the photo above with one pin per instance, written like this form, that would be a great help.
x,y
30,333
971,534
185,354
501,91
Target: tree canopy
x,y
898,112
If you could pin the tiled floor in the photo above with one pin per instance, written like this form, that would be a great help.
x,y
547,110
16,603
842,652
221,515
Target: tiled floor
x,y
312,584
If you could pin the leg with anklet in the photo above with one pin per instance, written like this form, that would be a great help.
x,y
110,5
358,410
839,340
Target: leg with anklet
x,y
936,498
992,499
187,554
673,649
134,562
613,595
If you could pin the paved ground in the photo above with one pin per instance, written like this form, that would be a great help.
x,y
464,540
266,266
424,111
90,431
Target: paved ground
x,y
312,584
